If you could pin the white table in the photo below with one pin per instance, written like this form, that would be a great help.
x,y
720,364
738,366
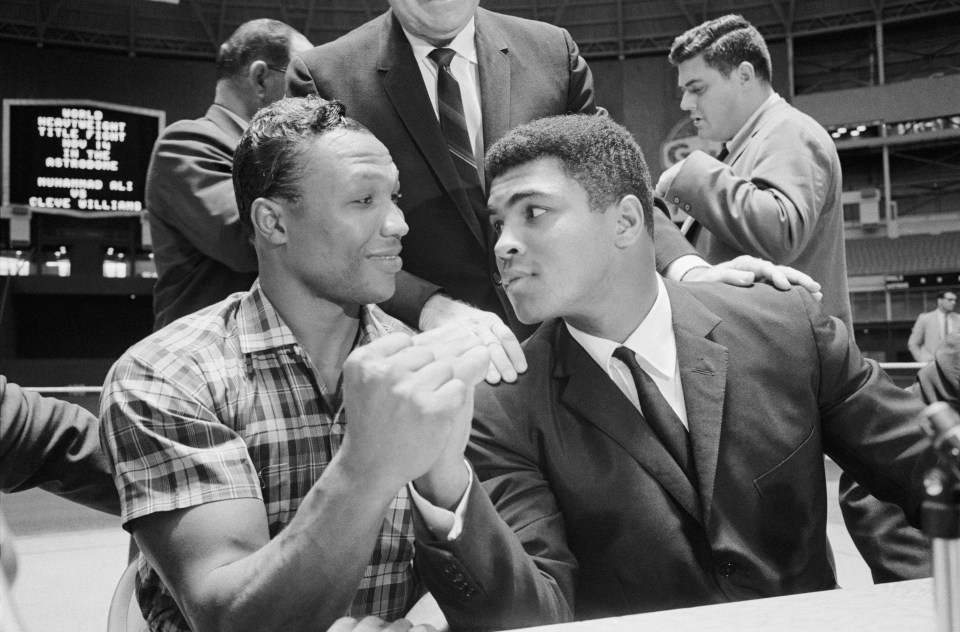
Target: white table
x,y
897,607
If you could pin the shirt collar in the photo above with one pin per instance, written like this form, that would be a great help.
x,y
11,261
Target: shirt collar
x,y
261,328
653,340
744,132
464,43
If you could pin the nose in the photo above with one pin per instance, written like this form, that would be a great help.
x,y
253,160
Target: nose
x,y
508,244
394,225
688,102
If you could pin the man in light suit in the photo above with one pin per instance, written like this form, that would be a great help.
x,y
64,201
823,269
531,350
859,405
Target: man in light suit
x,y
201,251
932,328
775,190
773,193
595,509
509,71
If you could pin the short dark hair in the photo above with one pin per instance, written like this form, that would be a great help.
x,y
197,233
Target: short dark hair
x,y
599,154
725,43
267,161
266,40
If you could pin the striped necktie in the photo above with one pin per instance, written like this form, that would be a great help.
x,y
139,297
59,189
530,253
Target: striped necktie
x,y
453,123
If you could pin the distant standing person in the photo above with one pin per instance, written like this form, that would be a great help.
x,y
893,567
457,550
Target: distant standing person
x,y
201,251
932,327
774,191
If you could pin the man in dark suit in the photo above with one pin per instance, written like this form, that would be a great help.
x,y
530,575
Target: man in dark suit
x,y
508,71
665,447
201,252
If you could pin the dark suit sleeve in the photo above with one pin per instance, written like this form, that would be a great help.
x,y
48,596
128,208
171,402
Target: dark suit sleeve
x,y
191,189
55,445
894,550
510,567
580,96
299,79
869,425
668,242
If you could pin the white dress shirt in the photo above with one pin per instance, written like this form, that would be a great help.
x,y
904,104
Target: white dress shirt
x,y
654,344
467,73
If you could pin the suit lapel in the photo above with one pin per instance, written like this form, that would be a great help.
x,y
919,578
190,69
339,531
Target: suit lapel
x,y
703,376
589,391
403,85
494,62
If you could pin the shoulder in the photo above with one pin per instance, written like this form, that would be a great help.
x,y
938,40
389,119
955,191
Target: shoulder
x,y
181,354
345,48
784,119
750,314
521,34
190,135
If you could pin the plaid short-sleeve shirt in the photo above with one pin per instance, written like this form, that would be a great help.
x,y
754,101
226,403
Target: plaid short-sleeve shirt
x,y
224,404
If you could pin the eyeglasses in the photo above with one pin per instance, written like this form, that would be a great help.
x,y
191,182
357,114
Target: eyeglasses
x,y
281,69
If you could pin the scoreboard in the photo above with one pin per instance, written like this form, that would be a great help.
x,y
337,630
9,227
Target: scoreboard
x,y
76,157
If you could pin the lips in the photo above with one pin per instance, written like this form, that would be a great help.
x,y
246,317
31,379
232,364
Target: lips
x,y
512,277
389,260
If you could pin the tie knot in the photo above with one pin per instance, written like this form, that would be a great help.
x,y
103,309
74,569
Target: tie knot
x,y
442,56
627,356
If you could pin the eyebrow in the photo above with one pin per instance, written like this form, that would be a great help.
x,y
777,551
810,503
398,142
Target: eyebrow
x,y
687,84
516,197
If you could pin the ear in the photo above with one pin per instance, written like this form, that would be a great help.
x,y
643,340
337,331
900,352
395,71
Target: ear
x,y
630,226
269,221
257,75
746,72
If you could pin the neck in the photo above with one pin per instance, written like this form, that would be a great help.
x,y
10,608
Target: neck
x,y
623,307
324,329
227,96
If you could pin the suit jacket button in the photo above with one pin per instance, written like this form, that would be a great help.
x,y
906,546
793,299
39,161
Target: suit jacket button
x,y
686,207
726,570
496,279
676,200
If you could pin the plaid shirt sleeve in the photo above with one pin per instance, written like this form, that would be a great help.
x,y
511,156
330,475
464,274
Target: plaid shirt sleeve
x,y
167,447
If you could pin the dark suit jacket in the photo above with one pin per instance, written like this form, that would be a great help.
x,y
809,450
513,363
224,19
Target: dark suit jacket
x,y
201,251
602,522
55,445
528,70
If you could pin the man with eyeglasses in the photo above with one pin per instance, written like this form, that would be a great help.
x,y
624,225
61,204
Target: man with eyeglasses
x,y
201,251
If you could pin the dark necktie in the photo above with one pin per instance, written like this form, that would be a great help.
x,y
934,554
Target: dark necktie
x,y
695,227
659,415
453,123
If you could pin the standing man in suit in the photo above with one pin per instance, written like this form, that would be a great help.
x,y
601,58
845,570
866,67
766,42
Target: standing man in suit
x,y
774,192
665,447
200,249
393,74
933,327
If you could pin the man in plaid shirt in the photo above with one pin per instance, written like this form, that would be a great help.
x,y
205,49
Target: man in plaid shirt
x,y
263,446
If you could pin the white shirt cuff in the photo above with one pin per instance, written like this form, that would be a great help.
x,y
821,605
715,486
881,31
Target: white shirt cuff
x,y
681,265
443,523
